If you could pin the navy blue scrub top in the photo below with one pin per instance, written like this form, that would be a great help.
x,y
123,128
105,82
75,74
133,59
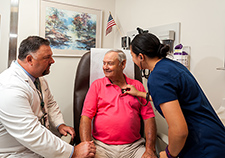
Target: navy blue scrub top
x,y
170,81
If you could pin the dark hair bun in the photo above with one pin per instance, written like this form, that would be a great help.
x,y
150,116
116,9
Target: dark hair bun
x,y
149,44
163,50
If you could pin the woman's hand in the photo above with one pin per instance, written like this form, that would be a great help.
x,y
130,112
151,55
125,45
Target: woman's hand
x,y
133,91
162,154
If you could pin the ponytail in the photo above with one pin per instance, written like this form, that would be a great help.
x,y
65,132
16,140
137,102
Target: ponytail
x,y
149,45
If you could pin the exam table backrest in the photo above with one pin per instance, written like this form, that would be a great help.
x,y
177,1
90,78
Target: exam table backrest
x,y
81,87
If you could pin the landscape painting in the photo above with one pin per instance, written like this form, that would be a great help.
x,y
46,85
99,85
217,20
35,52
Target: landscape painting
x,y
71,31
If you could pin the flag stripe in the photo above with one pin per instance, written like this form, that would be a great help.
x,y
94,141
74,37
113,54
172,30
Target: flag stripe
x,y
110,23
108,30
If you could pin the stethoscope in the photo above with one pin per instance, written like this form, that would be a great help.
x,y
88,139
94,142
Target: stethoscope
x,y
145,74
124,90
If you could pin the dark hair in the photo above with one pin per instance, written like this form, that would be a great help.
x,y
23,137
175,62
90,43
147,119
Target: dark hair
x,y
30,45
149,45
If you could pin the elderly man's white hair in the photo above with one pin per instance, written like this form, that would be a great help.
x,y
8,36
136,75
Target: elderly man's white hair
x,y
121,54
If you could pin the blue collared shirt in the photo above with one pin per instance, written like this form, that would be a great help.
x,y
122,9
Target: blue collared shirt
x,y
32,77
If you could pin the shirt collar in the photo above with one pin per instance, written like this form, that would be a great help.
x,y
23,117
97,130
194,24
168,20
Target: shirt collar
x,y
108,82
31,77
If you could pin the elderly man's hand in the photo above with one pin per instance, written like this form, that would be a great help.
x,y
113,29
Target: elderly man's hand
x,y
63,129
149,154
84,150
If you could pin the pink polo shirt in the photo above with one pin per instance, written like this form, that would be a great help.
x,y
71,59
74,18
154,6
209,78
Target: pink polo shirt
x,y
116,115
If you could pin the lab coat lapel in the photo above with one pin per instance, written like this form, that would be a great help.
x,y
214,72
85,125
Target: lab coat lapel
x,y
22,74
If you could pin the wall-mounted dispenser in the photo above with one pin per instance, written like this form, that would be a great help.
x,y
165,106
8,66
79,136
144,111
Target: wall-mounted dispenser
x,y
168,34
125,42
182,55
168,37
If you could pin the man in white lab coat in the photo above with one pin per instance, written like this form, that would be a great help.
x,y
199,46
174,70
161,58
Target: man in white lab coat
x,y
26,111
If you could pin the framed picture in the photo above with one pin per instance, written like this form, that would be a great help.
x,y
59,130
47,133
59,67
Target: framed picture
x,y
72,30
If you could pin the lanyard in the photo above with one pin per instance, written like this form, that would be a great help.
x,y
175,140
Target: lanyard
x,y
38,87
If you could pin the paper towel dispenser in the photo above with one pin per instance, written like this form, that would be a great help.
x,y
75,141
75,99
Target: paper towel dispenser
x,y
168,34
168,37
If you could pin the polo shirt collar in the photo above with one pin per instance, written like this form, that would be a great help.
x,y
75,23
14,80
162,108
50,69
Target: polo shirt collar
x,y
108,82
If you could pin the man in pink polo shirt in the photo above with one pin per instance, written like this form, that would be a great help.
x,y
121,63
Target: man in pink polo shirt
x,y
117,115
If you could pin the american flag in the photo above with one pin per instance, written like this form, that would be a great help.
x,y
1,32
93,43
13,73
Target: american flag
x,y
110,23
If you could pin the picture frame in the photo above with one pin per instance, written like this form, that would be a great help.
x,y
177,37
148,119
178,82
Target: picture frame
x,y
72,30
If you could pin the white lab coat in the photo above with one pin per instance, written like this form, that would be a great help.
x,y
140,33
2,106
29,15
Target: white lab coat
x,y
19,114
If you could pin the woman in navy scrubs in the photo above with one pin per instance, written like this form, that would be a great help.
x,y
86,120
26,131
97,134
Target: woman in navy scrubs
x,y
195,131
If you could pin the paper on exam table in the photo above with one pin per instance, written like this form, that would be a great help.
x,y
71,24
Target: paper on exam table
x,y
221,113
97,55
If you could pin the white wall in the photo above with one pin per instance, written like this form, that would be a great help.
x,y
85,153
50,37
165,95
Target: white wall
x,y
61,78
202,28
62,75
4,33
